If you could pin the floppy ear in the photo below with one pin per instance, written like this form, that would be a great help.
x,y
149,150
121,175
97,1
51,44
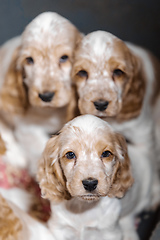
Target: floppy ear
x,y
122,177
13,95
133,95
50,175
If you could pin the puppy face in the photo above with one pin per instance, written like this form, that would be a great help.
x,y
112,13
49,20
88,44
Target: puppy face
x,y
87,160
107,78
45,59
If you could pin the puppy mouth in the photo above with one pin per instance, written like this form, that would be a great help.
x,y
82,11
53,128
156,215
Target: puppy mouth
x,y
101,114
105,115
90,197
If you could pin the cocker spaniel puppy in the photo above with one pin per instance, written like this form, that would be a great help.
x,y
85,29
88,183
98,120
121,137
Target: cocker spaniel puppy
x,y
119,82
84,171
36,96
17,225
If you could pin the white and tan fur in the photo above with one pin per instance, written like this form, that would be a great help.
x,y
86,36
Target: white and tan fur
x,y
76,154
16,224
126,78
32,65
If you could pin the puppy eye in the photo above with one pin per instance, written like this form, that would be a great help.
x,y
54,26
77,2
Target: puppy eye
x,y
70,155
29,60
117,73
63,59
83,74
106,154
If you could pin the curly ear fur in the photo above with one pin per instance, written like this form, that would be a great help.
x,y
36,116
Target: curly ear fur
x,y
134,93
122,178
10,224
13,96
50,175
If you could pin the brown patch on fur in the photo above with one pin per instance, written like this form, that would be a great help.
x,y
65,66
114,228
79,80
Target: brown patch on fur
x,y
13,94
122,178
2,146
10,225
50,176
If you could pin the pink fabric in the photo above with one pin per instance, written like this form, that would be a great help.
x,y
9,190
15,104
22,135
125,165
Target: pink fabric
x,y
11,176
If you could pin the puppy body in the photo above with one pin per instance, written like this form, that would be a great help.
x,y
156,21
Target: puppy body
x,y
36,96
85,220
92,213
119,82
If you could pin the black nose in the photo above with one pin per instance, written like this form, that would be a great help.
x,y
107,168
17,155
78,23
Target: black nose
x,y
90,184
47,96
101,105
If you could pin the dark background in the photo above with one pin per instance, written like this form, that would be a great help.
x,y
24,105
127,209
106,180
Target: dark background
x,y
137,21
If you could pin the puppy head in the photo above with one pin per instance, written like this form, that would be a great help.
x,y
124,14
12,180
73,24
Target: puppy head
x,y
107,77
87,160
45,59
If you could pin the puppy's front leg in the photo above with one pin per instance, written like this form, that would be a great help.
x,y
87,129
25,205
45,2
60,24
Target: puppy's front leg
x,y
144,156
128,228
